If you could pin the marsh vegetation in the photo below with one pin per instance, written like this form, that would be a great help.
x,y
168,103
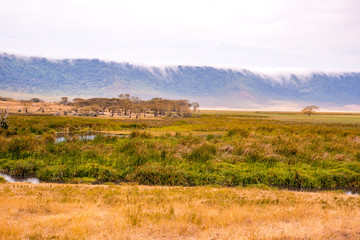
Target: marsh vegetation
x,y
227,149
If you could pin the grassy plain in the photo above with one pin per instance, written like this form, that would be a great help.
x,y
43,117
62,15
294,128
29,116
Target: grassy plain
x,y
228,149
67,211
319,117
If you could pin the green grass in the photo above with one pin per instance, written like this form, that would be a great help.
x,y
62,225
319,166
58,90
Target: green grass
x,y
323,118
342,118
272,149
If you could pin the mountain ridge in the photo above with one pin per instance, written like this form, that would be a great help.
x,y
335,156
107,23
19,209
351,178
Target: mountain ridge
x,y
210,86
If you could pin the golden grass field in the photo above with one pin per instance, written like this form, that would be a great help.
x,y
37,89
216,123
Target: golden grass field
x,y
64,211
14,106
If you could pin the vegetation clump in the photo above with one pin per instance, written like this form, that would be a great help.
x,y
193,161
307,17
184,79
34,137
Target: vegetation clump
x,y
2,180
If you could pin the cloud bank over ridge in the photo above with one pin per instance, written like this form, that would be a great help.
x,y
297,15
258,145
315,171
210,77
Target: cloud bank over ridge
x,y
212,87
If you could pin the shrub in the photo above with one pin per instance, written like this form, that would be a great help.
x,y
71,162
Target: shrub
x,y
238,132
210,137
93,170
53,173
160,174
202,153
18,146
138,134
105,139
22,168
2,180
49,137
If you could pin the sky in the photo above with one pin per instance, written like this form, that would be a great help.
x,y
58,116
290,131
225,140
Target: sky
x,y
258,34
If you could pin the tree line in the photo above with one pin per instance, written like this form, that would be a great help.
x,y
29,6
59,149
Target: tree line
x,y
130,106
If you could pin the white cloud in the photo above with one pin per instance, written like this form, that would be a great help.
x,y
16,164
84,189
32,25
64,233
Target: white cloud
x,y
260,33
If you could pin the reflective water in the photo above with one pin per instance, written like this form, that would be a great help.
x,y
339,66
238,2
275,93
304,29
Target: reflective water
x,y
12,179
82,138
60,139
88,137
351,193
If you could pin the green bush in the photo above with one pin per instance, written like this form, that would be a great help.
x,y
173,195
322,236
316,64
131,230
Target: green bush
x,y
138,134
238,132
53,173
25,167
96,171
202,153
21,146
160,174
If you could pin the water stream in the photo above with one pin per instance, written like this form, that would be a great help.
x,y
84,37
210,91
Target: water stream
x,y
86,137
13,179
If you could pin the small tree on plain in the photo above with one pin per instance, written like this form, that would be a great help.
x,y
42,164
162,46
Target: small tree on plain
x,y
195,106
310,109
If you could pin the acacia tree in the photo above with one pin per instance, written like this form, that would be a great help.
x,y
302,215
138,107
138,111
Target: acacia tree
x,y
114,106
125,103
195,106
64,101
310,109
103,103
135,106
144,106
154,104
78,103
182,108
168,107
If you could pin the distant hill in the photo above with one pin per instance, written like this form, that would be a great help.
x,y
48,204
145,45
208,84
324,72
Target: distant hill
x,y
211,87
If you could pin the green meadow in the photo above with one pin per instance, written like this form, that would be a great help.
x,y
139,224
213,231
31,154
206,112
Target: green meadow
x,y
286,150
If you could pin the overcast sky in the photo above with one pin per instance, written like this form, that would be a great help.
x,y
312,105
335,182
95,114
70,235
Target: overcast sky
x,y
300,34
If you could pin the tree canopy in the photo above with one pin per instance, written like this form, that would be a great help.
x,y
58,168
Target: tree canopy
x,y
310,109
127,105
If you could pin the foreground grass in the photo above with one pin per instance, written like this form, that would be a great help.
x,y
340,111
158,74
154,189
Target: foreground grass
x,y
57,211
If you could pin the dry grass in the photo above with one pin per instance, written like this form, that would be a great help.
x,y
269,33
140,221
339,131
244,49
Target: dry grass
x,y
56,211
14,106
53,108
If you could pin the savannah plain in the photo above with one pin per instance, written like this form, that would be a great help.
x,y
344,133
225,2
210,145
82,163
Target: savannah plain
x,y
214,175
